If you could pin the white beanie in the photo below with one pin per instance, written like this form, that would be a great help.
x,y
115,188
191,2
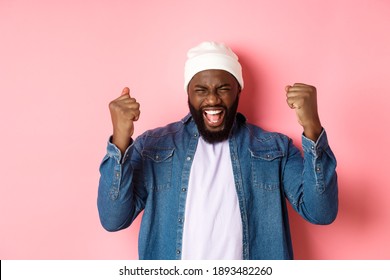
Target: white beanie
x,y
212,55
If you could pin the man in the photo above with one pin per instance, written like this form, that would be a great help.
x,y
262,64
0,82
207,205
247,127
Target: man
x,y
213,186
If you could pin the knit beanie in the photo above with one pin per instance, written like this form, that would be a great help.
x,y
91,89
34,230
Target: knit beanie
x,y
211,55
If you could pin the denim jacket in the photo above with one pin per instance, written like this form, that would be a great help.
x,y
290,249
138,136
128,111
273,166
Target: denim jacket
x,y
152,176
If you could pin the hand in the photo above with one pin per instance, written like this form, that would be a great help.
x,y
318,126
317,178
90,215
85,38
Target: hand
x,y
124,112
303,98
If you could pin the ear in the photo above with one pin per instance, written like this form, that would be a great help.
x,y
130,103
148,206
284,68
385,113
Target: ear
x,y
239,90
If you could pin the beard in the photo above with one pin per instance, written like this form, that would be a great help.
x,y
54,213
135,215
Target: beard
x,y
215,136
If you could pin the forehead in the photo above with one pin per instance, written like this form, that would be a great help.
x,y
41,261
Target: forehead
x,y
213,76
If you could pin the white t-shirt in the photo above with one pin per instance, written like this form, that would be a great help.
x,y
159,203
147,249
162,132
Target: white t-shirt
x,y
212,222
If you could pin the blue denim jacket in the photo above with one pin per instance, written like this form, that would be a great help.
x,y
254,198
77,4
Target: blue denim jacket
x,y
153,176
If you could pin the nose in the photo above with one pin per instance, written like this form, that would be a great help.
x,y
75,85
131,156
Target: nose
x,y
213,97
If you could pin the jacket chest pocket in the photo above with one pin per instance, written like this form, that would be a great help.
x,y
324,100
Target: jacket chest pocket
x,y
266,169
158,168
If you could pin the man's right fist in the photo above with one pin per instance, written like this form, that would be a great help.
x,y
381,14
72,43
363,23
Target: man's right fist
x,y
124,112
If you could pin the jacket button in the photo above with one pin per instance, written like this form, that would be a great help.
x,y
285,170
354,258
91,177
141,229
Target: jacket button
x,y
178,252
188,158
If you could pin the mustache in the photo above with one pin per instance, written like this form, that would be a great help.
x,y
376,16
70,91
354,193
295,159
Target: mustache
x,y
203,108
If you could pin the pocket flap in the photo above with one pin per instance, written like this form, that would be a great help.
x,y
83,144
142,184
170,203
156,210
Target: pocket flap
x,y
158,154
266,155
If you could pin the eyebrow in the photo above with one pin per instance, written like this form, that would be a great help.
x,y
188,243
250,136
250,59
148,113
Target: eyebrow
x,y
200,86
219,86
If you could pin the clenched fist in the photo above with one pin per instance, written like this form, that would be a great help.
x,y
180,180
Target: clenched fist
x,y
303,98
124,112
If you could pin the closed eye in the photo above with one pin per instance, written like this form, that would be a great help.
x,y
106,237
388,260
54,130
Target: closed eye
x,y
200,90
224,89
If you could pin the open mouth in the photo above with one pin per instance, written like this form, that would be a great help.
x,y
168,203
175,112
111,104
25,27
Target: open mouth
x,y
214,117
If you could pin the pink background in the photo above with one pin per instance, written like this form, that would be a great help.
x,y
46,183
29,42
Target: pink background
x,y
61,62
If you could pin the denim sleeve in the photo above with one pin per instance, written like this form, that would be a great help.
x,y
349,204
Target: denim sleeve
x,y
121,195
311,186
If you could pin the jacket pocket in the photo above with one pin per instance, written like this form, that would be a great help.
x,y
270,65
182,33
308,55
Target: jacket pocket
x,y
266,167
158,167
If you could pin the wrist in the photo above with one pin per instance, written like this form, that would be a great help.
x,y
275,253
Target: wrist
x,y
313,132
122,142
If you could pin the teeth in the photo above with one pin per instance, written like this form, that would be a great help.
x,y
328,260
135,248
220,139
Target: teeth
x,y
213,112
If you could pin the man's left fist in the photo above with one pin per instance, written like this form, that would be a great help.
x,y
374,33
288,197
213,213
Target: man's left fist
x,y
303,98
